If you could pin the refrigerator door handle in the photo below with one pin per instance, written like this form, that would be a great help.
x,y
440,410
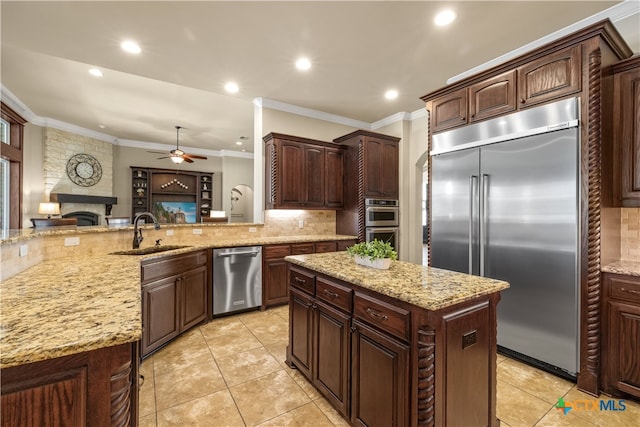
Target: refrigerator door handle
x,y
484,183
473,182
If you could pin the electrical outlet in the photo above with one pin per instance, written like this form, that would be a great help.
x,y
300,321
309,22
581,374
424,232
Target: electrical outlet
x,y
252,229
197,231
301,223
71,241
24,250
169,232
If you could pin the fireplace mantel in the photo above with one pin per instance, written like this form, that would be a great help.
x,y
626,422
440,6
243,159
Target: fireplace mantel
x,y
108,202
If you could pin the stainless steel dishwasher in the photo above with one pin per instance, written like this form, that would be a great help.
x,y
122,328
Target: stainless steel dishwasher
x,y
237,279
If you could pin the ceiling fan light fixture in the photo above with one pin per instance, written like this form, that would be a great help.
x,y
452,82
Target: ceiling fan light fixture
x,y
176,159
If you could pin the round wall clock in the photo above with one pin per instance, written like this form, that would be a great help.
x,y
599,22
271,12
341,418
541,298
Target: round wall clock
x,y
84,170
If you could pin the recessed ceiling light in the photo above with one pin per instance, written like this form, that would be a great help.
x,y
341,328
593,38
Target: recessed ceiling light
x,y
238,142
444,17
95,72
303,64
391,94
231,87
130,46
101,126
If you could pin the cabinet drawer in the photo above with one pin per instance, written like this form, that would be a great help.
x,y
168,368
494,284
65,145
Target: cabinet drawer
x,y
302,281
276,251
301,248
334,294
171,265
325,247
344,244
625,289
386,317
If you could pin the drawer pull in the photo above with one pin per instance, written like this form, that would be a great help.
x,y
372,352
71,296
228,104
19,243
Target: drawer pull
x,y
376,314
632,291
331,294
299,280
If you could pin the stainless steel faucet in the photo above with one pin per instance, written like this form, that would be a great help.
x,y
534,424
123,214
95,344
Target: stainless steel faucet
x,y
137,234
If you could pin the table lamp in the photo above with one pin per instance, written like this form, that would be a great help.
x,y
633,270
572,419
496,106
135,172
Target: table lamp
x,y
49,208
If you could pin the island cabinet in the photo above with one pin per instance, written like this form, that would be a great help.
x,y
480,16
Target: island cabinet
x,y
383,361
303,173
174,297
621,338
626,133
92,388
274,267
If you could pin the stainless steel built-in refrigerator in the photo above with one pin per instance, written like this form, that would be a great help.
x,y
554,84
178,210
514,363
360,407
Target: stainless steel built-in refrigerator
x,y
505,203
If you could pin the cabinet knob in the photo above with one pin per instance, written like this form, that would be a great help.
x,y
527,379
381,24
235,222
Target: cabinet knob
x,y
463,118
522,100
353,329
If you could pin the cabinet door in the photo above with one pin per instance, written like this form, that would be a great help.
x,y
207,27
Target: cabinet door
x,y
291,170
194,298
321,247
331,356
492,97
274,276
314,176
373,158
334,178
448,111
627,137
160,317
624,342
380,379
552,76
301,331
390,177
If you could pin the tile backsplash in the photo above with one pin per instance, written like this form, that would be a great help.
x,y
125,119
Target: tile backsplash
x,y
630,234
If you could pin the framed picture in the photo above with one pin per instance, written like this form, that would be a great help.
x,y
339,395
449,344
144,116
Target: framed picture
x,y
174,212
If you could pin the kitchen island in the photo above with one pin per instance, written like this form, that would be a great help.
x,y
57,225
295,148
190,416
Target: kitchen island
x,y
411,345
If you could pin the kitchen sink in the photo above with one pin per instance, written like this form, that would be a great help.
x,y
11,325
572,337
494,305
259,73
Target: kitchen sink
x,y
149,250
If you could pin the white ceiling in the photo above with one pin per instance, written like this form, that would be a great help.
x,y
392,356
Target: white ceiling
x,y
359,49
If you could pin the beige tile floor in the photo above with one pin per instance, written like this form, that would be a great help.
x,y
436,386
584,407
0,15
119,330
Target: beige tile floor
x,y
231,372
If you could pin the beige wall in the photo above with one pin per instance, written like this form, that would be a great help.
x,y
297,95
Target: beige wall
x,y
630,234
236,171
305,127
33,175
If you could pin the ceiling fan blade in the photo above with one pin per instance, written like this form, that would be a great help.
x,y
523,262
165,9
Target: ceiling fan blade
x,y
195,156
186,159
165,157
157,152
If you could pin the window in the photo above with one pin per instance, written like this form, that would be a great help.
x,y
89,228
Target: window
x,y
11,132
4,197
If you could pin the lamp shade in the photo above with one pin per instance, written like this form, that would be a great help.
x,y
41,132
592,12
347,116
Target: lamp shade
x,y
49,208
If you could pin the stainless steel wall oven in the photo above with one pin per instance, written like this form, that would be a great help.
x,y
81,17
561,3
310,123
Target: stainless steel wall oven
x,y
382,220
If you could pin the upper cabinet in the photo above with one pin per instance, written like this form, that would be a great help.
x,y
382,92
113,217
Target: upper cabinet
x,y
550,77
626,133
535,82
303,173
375,165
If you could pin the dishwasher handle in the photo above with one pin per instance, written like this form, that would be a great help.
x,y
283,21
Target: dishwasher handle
x,y
228,254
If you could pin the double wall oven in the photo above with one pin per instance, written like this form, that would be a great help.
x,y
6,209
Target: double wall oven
x,y
382,220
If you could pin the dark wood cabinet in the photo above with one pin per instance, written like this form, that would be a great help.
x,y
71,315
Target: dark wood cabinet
x,y
94,388
152,185
174,297
372,171
342,245
621,338
552,76
380,378
320,336
626,133
302,173
274,274
334,178
492,97
321,247
449,111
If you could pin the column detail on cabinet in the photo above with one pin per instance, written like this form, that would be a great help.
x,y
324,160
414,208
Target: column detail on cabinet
x,y
426,376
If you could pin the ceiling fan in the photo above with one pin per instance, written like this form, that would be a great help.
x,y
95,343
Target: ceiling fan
x,y
177,155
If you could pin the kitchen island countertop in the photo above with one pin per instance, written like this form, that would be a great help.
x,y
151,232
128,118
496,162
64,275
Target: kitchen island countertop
x,y
631,268
425,287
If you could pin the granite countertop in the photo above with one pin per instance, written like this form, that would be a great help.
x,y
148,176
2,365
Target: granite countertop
x,y
76,304
68,306
425,287
631,268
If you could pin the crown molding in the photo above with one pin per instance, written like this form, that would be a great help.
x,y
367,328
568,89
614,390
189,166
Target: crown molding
x,y
615,13
308,112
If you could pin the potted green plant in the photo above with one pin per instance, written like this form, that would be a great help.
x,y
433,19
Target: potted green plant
x,y
376,254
